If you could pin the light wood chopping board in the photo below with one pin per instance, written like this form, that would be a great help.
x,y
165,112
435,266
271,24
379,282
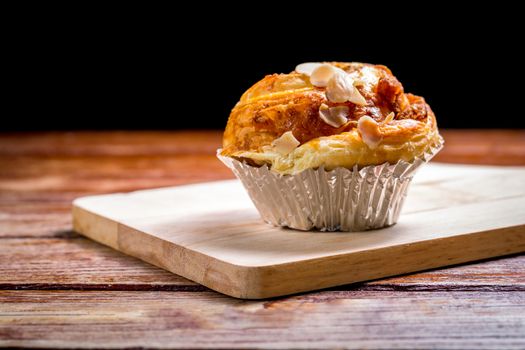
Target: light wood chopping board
x,y
212,234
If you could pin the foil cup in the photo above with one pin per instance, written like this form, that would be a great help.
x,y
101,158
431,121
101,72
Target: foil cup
x,y
341,199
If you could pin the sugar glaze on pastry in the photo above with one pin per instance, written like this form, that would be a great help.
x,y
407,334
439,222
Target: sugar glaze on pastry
x,y
332,115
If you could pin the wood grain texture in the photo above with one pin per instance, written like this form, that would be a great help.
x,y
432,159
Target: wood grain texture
x,y
483,147
329,319
41,173
78,263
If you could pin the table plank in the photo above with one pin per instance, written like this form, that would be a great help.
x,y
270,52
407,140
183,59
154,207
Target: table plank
x,y
110,143
491,147
80,264
329,319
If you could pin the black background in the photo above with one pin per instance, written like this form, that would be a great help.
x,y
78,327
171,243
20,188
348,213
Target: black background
x,y
148,70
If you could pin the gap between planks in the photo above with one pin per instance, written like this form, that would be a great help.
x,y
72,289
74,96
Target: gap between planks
x,y
363,287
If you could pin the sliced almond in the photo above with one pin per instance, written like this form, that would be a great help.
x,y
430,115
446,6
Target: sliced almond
x,y
340,113
334,116
286,143
369,131
357,98
340,88
322,74
307,68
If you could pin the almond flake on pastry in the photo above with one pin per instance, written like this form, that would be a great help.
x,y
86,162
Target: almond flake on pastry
x,y
307,68
322,74
357,98
334,116
340,88
369,131
286,143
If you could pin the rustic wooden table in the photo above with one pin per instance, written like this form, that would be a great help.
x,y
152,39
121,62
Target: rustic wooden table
x,y
58,289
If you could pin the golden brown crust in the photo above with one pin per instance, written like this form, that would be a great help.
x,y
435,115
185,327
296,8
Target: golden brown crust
x,y
289,102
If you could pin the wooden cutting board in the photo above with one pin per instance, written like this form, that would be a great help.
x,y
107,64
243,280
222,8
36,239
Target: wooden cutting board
x,y
212,234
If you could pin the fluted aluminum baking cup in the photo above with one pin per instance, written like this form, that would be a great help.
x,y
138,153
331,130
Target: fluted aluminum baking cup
x,y
341,199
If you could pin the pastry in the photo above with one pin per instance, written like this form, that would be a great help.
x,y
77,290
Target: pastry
x,y
329,121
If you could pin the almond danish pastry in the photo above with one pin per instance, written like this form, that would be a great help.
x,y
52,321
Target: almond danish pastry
x,y
330,146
